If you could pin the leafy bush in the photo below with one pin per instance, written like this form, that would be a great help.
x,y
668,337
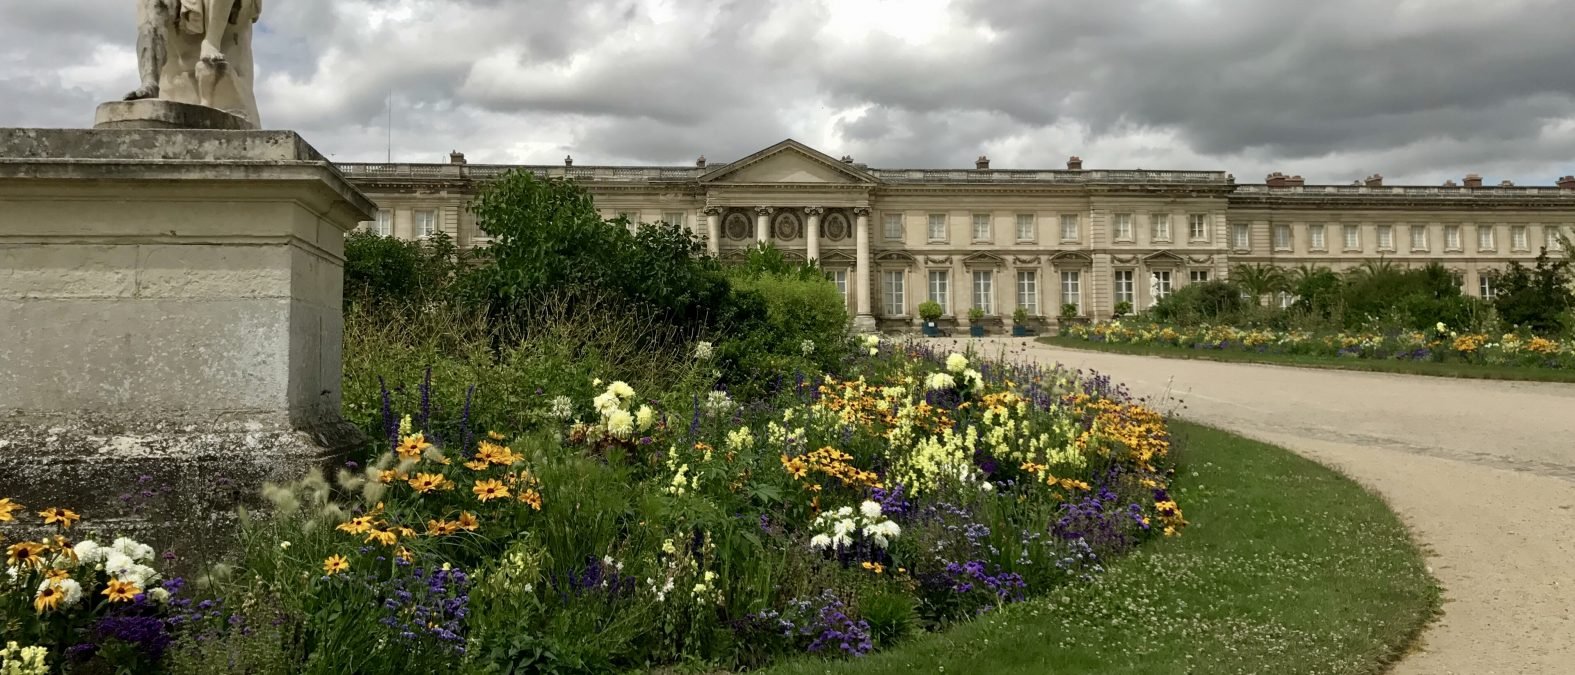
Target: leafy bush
x,y
1207,301
930,310
1537,298
396,272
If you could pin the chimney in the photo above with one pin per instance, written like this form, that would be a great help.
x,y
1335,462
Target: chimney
x,y
1375,180
1567,183
1473,180
982,164
1451,183
1275,180
568,160
1507,183
1295,181
1074,163
700,162
456,157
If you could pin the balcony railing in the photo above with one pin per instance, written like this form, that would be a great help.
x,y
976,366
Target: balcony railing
x,y
1486,191
659,173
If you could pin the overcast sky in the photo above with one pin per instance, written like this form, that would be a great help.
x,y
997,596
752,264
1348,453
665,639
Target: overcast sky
x,y
1418,90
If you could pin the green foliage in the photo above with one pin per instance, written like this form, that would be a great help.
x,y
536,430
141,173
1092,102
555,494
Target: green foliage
x,y
975,315
1122,308
1020,316
1258,280
892,616
396,272
804,327
1203,302
930,310
1536,298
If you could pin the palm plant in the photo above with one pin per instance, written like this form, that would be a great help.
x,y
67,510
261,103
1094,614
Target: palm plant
x,y
1258,280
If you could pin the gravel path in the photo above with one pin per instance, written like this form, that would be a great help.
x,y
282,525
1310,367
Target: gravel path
x,y
1482,471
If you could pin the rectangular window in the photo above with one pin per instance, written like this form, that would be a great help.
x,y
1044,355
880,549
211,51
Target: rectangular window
x,y
1282,237
1161,284
426,224
840,278
1123,227
1315,240
385,223
940,289
1028,291
1353,237
937,227
1198,226
1161,226
1485,286
1069,227
1198,276
1286,299
893,226
1071,289
1386,238
1124,286
981,227
1518,238
1452,237
1027,230
892,292
1241,236
984,291
1550,237
1419,237
1484,238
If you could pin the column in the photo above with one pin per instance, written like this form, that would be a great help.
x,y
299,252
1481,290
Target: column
x,y
864,320
713,230
763,224
812,233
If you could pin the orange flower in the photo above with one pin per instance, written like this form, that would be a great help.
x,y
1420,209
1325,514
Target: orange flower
x,y
26,554
476,464
427,482
48,597
8,507
121,591
65,517
411,447
531,497
489,489
356,525
384,537
335,564
467,521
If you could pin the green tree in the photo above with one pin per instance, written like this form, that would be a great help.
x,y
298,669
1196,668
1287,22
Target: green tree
x,y
1258,280
1535,298
380,270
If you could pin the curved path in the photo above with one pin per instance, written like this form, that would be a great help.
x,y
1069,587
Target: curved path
x,y
1482,471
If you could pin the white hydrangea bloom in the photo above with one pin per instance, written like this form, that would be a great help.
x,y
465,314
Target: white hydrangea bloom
x,y
133,549
644,417
620,424
562,407
89,552
940,382
870,509
621,389
956,362
702,350
806,347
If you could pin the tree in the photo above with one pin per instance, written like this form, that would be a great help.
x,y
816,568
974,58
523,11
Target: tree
x,y
1535,298
1258,280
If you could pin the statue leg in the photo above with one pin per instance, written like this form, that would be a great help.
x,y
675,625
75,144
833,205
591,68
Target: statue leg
x,y
211,65
152,20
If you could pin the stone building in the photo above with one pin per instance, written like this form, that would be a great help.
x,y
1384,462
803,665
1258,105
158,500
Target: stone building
x,y
998,239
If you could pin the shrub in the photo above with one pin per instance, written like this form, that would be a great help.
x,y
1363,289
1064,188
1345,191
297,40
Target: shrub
x,y
1208,301
930,310
1535,298
1069,311
1020,316
975,315
1121,309
388,271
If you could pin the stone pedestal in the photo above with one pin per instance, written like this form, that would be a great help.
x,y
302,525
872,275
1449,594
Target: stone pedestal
x,y
161,114
172,310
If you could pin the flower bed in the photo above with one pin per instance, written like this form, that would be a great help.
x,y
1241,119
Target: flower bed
x,y
839,515
1438,344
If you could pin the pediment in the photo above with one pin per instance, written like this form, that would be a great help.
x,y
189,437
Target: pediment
x,y
1071,258
836,258
895,257
1163,257
983,259
789,162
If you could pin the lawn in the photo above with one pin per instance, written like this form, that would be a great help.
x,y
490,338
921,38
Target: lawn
x,y
1288,567
1430,368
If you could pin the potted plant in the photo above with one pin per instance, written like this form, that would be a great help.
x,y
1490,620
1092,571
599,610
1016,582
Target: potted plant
x,y
1020,323
1122,308
976,322
1069,315
930,311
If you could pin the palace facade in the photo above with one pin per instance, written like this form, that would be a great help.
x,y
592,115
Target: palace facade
x,y
999,239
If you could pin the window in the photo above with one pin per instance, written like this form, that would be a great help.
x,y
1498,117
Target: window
x,y
1315,238
1071,288
1550,237
1069,227
1028,291
1484,238
673,218
1161,226
1241,236
981,227
893,228
1286,299
1419,237
1485,286
1353,237
1123,227
1518,239
840,278
940,289
892,292
1160,284
426,224
984,291
385,223
1282,237
1026,230
1124,286
1452,237
1198,226
1198,277
937,227
1386,238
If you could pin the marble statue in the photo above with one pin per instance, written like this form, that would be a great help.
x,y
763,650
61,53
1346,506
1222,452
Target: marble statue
x,y
198,52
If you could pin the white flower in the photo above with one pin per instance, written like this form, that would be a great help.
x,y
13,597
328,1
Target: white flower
x,y
845,511
596,382
562,407
940,382
132,549
621,389
986,486
605,403
820,541
159,595
972,377
644,417
404,426
620,424
89,552
118,563
702,350
956,362
607,560
806,347
1441,327
872,341
870,509
874,351
529,588
718,402
284,545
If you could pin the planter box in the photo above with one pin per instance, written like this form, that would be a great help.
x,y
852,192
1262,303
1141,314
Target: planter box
x,y
1019,330
976,330
932,330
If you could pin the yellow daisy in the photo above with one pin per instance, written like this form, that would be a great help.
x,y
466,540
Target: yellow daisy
x,y
65,517
489,489
121,591
335,564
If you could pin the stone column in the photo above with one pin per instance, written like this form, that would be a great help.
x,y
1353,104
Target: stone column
x,y
713,230
763,224
812,233
863,319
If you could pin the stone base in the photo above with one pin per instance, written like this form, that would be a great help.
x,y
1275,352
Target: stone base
x,y
161,114
864,323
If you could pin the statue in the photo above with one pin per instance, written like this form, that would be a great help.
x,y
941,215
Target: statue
x,y
198,52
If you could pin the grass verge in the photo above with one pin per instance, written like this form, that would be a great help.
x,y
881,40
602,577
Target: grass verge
x,y
1288,567
1429,368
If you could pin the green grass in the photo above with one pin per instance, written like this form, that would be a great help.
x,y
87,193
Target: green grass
x,y
1430,368
1288,567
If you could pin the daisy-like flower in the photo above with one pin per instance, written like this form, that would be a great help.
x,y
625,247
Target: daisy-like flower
x,y
476,464
8,507
440,528
487,490
26,554
356,525
412,446
495,436
621,389
65,517
49,596
335,564
121,591
427,482
467,521
404,554
384,537
620,424
531,497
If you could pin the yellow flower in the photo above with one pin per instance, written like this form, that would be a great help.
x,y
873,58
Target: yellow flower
x,y
495,435
489,489
476,464
26,554
357,525
467,521
58,515
57,575
121,591
8,507
384,537
404,554
531,497
427,482
335,564
875,567
439,528
390,475
411,447
48,597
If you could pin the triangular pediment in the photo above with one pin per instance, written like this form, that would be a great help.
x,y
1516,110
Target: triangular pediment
x,y
1163,257
983,259
895,257
789,162
1071,258
836,257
